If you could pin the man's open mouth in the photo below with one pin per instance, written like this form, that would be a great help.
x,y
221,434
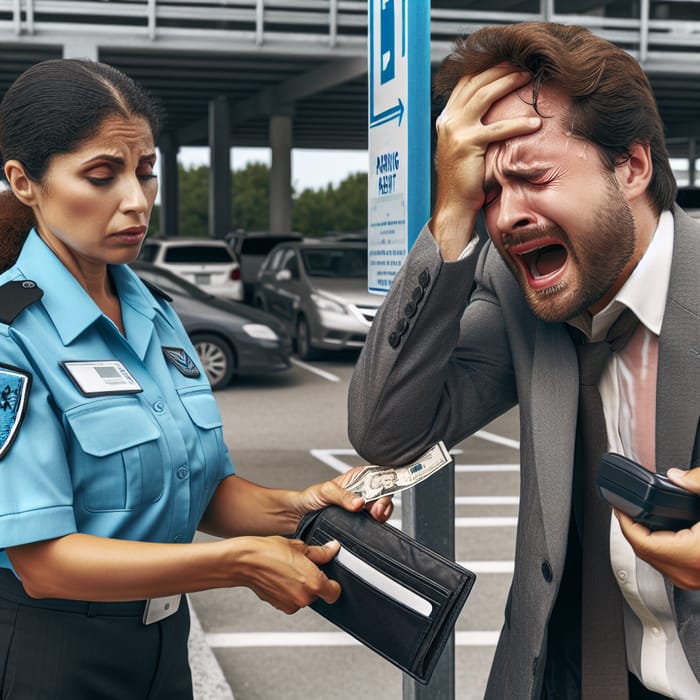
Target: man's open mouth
x,y
543,262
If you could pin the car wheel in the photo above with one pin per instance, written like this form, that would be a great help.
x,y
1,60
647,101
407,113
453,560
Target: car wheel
x,y
217,358
303,340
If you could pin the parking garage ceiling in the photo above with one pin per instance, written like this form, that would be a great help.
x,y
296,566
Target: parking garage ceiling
x,y
324,90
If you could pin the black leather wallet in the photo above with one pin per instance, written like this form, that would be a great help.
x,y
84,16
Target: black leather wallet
x,y
399,597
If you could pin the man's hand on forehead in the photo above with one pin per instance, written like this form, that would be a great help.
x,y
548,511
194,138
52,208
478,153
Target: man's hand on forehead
x,y
463,137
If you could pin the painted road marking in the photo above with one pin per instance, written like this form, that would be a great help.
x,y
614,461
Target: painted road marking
x,y
315,370
240,640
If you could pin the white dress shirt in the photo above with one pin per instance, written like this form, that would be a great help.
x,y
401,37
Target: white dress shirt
x,y
628,392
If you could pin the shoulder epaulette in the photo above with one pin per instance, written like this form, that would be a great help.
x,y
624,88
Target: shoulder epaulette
x,y
16,296
157,291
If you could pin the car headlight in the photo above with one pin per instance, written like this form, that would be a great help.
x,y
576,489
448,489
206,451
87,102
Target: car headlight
x,y
323,303
260,331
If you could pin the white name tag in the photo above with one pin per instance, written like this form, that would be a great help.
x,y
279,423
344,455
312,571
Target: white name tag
x,y
383,583
101,377
158,609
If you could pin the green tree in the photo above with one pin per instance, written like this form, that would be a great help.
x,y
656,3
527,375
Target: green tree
x,y
349,202
250,193
194,200
311,214
314,212
343,208
154,223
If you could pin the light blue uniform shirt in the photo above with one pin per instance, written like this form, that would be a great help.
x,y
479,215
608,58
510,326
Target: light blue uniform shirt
x,y
137,466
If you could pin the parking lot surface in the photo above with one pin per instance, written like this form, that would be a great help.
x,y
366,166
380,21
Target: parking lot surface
x,y
289,430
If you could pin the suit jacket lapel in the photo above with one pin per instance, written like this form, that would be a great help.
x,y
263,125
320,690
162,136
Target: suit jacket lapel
x,y
678,382
554,387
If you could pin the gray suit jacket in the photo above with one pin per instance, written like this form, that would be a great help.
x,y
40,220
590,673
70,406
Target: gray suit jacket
x,y
437,368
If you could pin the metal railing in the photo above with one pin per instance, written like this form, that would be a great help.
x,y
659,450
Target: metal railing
x,y
316,24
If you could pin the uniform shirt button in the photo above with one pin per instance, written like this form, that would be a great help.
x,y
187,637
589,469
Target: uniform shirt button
x,y
547,571
394,339
158,406
182,473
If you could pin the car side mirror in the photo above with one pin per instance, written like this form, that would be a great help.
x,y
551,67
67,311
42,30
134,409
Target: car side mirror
x,y
284,276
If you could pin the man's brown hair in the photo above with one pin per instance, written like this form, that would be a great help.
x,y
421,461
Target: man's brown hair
x,y
613,104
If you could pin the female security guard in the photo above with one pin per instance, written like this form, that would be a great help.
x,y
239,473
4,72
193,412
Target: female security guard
x,y
111,449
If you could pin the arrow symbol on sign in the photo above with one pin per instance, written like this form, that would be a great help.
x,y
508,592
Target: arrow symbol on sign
x,y
397,111
387,115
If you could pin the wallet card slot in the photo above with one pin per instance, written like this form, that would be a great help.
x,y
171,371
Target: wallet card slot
x,y
361,610
391,588
410,640
420,585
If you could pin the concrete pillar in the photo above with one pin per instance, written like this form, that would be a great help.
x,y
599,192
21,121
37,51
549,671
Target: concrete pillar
x,y
281,173
220,168
81,47
169,193
692,156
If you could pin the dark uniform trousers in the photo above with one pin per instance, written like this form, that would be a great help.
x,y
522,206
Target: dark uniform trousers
x,y
74,650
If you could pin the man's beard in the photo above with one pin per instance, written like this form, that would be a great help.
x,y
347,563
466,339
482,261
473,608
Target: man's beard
x,y
597,259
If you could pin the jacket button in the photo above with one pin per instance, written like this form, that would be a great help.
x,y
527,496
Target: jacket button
x,y
410,309
547,571
417,294
424,278
394,339
402,326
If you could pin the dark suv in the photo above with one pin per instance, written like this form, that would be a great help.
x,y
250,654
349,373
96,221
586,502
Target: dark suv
x,y
251,248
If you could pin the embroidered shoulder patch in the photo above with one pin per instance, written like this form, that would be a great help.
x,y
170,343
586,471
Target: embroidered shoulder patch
x,y
14,393
182,362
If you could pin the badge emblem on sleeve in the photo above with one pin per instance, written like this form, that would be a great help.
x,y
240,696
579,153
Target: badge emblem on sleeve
x,y
182,362
14,392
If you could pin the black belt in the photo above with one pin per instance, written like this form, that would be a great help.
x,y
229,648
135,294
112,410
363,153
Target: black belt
x,y
12,590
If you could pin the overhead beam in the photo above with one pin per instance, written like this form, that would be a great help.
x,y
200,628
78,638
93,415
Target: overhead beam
x,y
266,102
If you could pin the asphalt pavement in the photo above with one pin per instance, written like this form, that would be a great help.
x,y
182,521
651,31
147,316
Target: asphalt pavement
x,y
289,430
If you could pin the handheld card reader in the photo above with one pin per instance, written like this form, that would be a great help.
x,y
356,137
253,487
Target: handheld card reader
x,y
647,497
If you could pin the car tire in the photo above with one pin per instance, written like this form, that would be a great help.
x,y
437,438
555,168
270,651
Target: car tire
x,y
217,358
303,340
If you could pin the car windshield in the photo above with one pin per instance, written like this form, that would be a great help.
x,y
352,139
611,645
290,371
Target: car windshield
x,y
198,254
335,262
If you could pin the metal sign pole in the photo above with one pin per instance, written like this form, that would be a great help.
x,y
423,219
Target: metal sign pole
x,y
428,515
398,183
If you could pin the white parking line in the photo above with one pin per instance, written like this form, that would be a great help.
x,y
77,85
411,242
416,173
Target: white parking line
x,y
330,459
238,640
489,567
498,439
487,500
486,522
487,467
315,370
